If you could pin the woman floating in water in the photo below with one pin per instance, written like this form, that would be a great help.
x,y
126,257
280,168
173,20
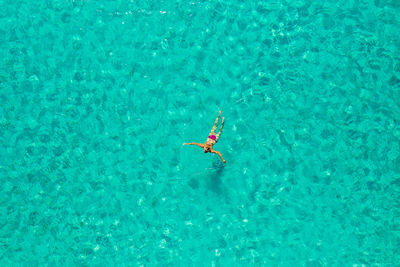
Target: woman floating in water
x,y
212,139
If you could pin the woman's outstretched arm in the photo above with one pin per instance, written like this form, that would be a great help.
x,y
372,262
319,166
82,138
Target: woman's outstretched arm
x,y
197,144
219,154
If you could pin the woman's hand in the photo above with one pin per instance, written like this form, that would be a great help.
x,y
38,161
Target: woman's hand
x,y
193,143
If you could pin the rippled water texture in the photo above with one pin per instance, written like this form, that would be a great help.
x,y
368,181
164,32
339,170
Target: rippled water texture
x,y
97,97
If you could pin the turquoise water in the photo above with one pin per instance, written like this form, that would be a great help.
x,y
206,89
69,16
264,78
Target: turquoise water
x,y
97,97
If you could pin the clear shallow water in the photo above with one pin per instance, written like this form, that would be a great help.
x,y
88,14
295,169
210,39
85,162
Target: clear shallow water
x,y
97,97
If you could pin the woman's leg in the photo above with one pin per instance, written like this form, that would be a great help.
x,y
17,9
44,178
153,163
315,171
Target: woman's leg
x,y
220,129
215,124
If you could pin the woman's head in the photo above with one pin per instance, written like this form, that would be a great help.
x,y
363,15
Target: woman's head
x,y
207,149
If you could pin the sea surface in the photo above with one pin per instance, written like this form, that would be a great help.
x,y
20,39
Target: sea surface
x,y
97,98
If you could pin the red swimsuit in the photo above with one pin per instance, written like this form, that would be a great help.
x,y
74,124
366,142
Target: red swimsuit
x,y
213,137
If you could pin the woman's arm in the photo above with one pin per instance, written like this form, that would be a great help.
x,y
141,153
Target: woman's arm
x,y
197,144
219,154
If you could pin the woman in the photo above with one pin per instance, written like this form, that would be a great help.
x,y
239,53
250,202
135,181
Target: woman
x,y
212,139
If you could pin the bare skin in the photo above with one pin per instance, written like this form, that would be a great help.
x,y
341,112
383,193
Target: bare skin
x,y
208,145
